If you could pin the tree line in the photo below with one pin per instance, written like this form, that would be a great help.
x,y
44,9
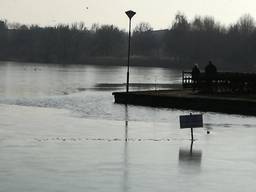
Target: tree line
x,y
183,44
59,44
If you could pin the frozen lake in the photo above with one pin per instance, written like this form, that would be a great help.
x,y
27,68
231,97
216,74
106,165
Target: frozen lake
x,y
61,131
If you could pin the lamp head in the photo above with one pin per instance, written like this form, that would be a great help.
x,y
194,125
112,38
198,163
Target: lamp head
x,y
130,13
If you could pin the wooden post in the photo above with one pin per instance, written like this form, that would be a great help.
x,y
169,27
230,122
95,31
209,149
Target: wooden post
x,y
192,135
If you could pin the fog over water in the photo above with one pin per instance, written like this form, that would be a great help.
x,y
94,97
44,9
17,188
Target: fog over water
x,y
61,131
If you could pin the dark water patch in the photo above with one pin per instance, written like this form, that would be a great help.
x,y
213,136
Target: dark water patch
x,y
99,89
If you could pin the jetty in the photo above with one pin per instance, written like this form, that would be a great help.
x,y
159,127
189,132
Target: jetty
x,y
232,93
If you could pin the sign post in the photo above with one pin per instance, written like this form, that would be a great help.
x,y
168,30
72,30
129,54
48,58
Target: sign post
x,y
192,134
191,121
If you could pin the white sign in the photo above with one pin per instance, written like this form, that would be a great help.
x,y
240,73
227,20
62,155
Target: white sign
x,y
191,121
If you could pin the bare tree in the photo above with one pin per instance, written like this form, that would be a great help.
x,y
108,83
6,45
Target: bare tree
x,y
143,27
246,24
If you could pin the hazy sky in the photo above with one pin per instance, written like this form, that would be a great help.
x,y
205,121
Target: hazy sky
x,y
159,13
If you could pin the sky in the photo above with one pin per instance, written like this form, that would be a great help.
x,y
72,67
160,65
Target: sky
x,y
159,13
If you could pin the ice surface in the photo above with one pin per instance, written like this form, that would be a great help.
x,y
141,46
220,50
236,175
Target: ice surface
x,y
64,135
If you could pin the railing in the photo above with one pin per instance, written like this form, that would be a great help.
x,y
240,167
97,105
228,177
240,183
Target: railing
x,y
221,82
187,81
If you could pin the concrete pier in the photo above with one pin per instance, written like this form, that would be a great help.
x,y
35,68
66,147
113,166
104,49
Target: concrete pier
x,y
189,100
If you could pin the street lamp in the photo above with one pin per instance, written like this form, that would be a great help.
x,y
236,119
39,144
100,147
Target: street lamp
x,y
130,14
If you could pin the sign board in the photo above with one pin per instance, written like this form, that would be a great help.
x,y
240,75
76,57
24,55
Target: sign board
x,y
191,121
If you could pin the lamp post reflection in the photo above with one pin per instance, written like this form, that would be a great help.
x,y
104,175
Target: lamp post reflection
x,y
125,166
126,123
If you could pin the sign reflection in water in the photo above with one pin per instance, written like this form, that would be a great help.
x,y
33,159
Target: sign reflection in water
x,y
190,158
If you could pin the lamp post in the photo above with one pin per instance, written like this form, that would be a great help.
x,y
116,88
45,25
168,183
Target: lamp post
x,y
130,14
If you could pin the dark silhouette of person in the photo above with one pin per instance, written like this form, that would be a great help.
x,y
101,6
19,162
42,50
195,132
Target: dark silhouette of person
x,y
195,76
210,75
210,69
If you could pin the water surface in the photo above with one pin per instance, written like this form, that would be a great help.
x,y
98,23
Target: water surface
x,y
61,131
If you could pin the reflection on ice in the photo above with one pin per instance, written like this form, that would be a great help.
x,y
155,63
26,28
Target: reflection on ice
x,y
125,167
126,123
190,158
